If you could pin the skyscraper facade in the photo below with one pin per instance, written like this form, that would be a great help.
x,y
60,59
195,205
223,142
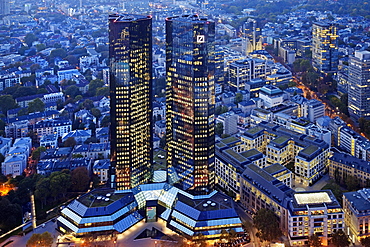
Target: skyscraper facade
x,y
251,36
190,101
130,54
359,85
324,47
4,7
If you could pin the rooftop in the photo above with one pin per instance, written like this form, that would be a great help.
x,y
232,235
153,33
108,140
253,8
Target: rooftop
x,y
250,153
99,198
308,198
309,150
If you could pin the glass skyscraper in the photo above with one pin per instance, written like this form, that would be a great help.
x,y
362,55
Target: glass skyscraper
x,y
359,85
130,54
190,101
324,47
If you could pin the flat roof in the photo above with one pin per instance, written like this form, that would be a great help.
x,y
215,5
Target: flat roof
x,y
230,139
310,149
251,152
254,130
280,139
312,198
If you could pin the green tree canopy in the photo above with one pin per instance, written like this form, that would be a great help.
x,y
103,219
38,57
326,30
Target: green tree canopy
x,y
365,242
36,106
72,91
102,91
70,142
219,129
267,225
96,112
40,240
6,103
238,98
314,241
60,182
59,52
30,38
94,85
80,179
340,239
42,191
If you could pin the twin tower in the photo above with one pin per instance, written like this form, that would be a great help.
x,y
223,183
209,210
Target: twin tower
x,y
190,102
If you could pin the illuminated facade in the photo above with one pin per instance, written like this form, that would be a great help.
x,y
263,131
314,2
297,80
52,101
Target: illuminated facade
x,y
359,85
252,39
324,47
190,99
314,212
356,207
130,52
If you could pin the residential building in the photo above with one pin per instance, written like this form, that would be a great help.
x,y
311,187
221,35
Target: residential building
x,y
101,169
59,127
324,47
49,141
190,102
359,85
14,165
342,165
130,58
229,122
80,136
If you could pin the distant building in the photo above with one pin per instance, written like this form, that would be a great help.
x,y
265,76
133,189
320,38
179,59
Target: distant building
x,y
358,85
101,169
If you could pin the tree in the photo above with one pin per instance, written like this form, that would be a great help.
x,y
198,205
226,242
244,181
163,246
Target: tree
x,y
96,112
72,60
40,47
314,241
340,239
42,191
59,52
37,152
102,91
352,183
94,85
105,122
219,130
40,240
267,225
70,142
80,179
88,104
29,39
365,242
72,91
6,103
60,182
34,67
36,106
238,98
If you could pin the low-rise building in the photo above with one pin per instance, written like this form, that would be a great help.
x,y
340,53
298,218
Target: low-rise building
x,y
101,169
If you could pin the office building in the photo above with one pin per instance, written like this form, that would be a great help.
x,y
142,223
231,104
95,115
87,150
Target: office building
x,y
359,85
4,7
314,212
130,54
242,71
342,165
312,110
356,207
251,36
190,100
324,47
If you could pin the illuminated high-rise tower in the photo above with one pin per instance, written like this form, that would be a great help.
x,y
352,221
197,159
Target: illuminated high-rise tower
x,y
251,36
324,47
130,54
190,100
